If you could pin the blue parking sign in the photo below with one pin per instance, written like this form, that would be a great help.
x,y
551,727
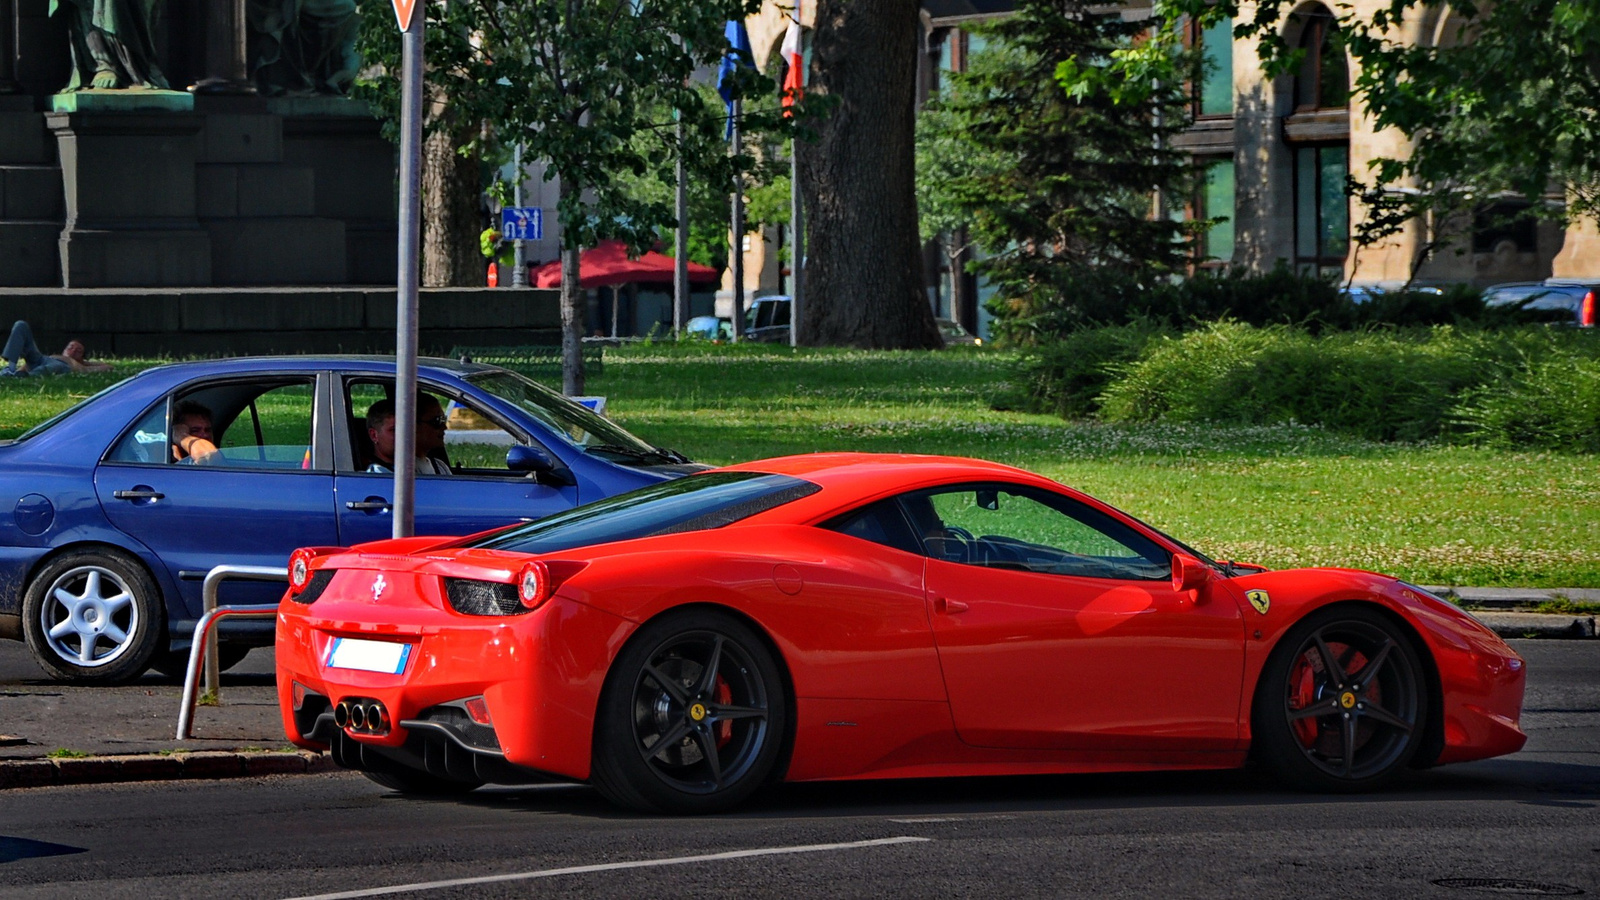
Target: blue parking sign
x,y
522,223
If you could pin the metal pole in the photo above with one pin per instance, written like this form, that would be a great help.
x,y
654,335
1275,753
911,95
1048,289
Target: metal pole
x,y
405,389
736,256
519,275
208,602
680,249
797,242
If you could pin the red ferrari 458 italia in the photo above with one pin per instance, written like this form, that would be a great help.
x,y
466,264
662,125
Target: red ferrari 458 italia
x,y
841,616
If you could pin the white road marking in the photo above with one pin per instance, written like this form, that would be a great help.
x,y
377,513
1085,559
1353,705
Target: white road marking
x,y
932,819
609,867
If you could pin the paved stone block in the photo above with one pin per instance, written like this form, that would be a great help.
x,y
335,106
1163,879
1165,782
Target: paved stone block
x,y
99,258
150,768
27,773
274,764
94,770
279,312
29,254
241,138
32,192
212,765
24,140
372,251
276,190
321,762
276,251
216,190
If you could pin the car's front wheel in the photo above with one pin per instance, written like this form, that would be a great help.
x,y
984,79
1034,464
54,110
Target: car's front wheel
x,y
93,617
693,717
1343,703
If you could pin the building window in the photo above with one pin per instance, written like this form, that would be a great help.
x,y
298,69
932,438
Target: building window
x,y
1216,201
1321,208
1214,96
1323,81
1495,224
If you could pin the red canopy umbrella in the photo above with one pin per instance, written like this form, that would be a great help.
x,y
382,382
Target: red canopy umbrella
x,y
608,265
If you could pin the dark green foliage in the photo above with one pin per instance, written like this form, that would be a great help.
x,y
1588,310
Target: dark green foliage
x,y
1072,151
1529,387
1067,376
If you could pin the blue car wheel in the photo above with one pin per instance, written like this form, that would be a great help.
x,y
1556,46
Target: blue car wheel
x,y
92,617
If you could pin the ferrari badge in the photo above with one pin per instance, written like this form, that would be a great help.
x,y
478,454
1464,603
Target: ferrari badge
x,y
1259,600
378,585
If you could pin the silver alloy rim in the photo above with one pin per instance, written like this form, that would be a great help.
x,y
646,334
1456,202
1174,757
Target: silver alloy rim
x,y
89,617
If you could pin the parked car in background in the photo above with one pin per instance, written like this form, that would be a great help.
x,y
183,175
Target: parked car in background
x,y
110,537
767,320
1575,298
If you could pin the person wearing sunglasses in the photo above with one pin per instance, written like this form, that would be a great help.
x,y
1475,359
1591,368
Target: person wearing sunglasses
x,y
431,426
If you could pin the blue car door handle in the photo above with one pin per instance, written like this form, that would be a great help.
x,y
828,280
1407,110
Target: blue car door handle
x,y
140,494
372,504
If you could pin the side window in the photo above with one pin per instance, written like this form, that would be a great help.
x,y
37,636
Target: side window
x,y
880,523
1012,527
146,442
472,443
272,430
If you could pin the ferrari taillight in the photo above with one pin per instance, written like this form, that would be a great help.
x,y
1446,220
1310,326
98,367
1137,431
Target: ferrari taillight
x,y
533,584
300,569
1586,311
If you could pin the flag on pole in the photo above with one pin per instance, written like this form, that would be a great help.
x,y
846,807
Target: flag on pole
x,y
794,77
736,55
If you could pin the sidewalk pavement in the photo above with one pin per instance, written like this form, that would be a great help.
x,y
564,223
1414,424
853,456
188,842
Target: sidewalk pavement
x,y
52,734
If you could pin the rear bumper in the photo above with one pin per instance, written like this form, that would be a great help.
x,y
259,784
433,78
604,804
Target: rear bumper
x,y
539,675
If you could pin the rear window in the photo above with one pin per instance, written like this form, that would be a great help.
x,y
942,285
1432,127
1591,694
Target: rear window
x,y
695,503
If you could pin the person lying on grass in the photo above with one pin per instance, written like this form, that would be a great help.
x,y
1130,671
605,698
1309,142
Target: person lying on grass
x,y
22,356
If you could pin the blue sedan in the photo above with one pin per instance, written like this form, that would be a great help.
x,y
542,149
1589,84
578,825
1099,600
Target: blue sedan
x,y
111,533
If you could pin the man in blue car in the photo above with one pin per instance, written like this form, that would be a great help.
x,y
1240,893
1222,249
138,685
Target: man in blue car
x,y
431,425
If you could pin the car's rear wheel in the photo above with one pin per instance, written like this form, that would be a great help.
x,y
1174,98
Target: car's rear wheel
x,y
693,717
93,617
1344,702
421,783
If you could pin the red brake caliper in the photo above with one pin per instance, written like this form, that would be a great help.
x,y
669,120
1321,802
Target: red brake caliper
x,y
724,695
1303,690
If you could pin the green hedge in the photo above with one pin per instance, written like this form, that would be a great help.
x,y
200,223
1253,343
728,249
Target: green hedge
x,y
1534,386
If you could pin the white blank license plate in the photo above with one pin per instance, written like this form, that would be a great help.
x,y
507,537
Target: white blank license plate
x,y
368,656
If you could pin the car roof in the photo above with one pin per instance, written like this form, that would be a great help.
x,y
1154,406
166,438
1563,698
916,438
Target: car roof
x,y
348,362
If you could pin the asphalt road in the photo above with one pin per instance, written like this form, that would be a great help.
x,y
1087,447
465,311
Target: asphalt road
x,y
1529,819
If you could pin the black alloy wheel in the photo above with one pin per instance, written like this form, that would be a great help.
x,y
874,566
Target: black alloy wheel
x,y
1343,703
693,716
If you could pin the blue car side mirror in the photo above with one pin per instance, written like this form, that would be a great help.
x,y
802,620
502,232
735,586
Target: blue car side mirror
x,y
539,462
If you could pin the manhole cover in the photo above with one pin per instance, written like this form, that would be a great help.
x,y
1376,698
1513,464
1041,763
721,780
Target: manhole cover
x,y
1515,886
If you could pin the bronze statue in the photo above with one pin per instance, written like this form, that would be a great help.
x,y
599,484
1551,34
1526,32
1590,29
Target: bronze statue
x,y
111,43
303,46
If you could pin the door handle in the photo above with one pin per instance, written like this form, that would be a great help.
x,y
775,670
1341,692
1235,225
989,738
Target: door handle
x,y
368,504
948,607
145,494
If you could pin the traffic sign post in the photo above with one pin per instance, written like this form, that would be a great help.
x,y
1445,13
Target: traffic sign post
x,y
406,302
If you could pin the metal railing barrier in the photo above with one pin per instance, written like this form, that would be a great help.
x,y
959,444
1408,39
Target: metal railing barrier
x,y
205,649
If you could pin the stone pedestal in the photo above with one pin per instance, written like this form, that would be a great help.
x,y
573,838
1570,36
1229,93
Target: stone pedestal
x,y
130,199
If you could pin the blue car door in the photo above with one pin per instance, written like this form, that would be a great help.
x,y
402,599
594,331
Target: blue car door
x,y
267,489
481,494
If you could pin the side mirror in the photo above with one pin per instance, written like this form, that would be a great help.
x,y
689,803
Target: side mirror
x,y
539,462
1188,573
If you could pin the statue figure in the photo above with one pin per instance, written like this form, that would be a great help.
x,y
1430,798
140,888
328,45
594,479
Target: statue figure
x,y
303,46
111,43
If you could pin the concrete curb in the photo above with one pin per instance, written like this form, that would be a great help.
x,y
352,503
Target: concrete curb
x,y
1535,625
21,773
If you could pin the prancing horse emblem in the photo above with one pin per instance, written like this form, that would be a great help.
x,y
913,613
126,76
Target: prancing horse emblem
x,y
1258,599
378,585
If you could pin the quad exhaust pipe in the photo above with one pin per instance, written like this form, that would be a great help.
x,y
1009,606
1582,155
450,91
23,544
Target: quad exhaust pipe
x,y
362,716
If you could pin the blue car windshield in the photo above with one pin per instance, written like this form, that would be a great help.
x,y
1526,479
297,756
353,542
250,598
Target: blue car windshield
x,y
698,502
573,421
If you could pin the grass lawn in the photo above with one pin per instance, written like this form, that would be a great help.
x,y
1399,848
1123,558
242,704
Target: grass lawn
x,y
1280,496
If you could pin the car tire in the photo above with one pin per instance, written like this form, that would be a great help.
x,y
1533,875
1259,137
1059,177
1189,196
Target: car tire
x,y
1343,702
704,688
175,663
421,783
93,616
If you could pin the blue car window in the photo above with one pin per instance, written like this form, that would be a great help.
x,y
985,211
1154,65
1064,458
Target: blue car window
x,y
698,502
578,424
146,441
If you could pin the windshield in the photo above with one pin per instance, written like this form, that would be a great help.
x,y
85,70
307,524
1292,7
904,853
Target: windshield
x,y
698,502
577,423
59,417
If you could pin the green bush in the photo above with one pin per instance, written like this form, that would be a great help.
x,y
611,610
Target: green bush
x,y
1067,376
1529,387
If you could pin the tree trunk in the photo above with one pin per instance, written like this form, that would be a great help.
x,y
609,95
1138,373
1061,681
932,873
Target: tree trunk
x,y
573,308
451,223
863,271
